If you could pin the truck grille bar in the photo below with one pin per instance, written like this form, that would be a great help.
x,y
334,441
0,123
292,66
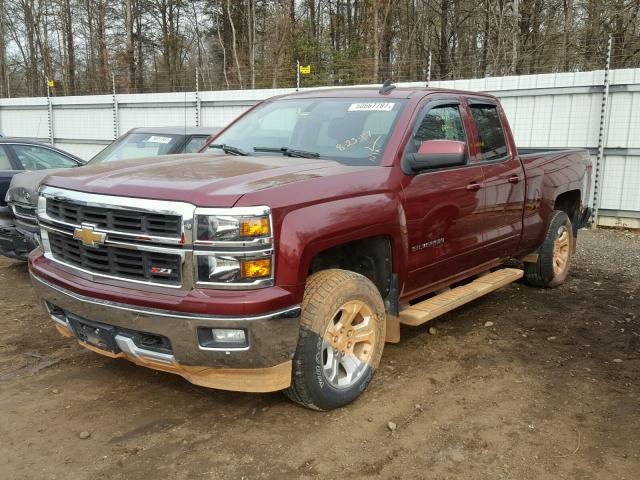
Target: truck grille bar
x,y
145,223
119,262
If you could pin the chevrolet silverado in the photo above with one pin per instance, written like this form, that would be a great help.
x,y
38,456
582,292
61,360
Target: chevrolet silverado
x,y
318,223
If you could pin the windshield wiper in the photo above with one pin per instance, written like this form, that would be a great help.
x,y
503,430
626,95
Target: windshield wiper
x,y
289,152
229,149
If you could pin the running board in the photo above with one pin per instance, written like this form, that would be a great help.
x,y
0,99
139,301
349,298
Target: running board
x,y
445,302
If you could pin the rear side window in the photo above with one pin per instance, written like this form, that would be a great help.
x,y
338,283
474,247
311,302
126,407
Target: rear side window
x,y
5,164
493,144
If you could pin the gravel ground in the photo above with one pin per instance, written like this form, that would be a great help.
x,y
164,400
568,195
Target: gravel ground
x,y
522,384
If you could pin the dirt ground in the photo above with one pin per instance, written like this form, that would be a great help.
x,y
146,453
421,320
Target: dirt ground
x,y
522,384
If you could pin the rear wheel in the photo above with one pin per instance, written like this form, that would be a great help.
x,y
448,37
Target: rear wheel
x,y
554,257
341,340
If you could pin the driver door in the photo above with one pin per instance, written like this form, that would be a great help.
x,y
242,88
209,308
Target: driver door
x,y
443,206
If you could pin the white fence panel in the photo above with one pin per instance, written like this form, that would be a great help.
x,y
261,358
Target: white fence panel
x,y
89,122
621,183
624,120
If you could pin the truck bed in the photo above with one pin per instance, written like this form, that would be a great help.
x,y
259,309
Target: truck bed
x,y
536,152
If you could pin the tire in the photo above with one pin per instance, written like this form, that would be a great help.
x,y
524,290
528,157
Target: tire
x,y
554,256
341,340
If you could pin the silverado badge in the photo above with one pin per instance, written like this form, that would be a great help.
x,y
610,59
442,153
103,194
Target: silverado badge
x,y
88,236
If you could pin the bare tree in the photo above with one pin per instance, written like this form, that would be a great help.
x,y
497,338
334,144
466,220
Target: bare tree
x,y
234,44
159,44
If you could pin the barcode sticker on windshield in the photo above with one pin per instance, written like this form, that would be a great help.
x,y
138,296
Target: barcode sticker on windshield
x,y
371,107
157,139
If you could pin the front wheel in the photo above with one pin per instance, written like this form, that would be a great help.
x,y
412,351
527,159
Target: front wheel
x,y
341,340
554,256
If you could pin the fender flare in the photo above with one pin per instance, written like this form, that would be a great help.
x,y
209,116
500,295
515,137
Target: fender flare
x,y
305,232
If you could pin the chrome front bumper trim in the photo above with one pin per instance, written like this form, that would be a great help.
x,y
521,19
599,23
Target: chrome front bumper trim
x,y
273,336
159,312
128,346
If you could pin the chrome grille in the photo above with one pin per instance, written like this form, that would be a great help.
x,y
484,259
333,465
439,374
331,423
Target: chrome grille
x,y
136,240
130,239
25,213
119,262
129,221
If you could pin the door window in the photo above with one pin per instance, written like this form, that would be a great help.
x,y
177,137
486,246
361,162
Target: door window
x,y
33,157
492,142
194,144
5,164
441,123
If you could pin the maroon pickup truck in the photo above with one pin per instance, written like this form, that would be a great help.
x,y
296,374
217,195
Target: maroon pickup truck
x,y
318,224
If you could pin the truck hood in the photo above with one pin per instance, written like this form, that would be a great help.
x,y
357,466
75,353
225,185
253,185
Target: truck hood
x,y
207,180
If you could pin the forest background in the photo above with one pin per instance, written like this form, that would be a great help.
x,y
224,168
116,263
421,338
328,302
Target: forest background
x,y
91,46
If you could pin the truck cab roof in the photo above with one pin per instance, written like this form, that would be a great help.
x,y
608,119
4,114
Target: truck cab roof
x,y
373,92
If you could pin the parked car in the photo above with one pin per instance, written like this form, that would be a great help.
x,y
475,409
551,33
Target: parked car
x,y
286,264
154,141
18,155
18,241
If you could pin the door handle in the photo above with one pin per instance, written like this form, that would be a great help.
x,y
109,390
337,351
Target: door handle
x,y
473,186
514,179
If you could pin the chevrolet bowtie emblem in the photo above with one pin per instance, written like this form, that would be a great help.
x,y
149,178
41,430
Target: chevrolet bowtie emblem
x,y
88,236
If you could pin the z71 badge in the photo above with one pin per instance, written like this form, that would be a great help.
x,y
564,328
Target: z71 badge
x,y
161,271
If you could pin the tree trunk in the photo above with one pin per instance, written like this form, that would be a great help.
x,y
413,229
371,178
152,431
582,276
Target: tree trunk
x,y
443,50
103,54
234,45
376,40
251,31
486,33
516,33
224,54
4,83
131,59
70,47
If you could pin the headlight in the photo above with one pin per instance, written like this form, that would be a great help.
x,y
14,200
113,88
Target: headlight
x,y
211,229
233,247
252,268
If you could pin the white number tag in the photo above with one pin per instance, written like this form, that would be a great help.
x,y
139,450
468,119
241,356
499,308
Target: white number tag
x,y
371,107
157,139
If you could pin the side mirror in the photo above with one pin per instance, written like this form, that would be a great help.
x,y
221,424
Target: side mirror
x,y
438,154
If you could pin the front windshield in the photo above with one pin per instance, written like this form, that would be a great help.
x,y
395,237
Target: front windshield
x,y
353,131
137,145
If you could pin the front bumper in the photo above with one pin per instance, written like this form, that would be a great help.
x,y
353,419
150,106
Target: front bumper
x,y
265,365
16,243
